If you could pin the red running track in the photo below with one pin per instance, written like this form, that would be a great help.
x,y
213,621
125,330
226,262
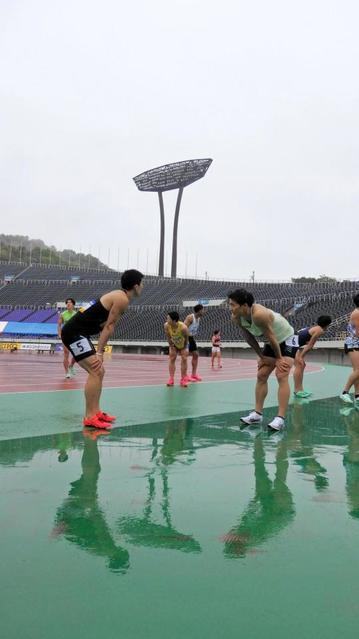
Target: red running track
x,y
32,372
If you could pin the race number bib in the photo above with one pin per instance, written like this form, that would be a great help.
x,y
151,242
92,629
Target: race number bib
x,y
293,341
81,346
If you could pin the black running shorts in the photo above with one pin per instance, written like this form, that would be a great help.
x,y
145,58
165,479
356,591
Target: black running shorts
x,y
79,346
349,349
286,351
192,346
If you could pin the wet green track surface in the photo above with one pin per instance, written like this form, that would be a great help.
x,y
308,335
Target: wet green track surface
x,y
183,528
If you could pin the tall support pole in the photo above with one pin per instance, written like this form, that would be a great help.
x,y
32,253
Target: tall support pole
x,y
162,236
175,228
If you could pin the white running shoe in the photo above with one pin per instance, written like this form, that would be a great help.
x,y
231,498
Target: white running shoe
x,y
345,397
277,423
252,418
68,376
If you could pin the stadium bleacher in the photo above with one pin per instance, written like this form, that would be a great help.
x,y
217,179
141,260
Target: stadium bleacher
x,y
33,293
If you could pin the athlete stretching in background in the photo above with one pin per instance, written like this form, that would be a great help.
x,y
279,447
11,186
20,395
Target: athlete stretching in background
x,y
303,343
351,348
216,349
192,323
177,336
64,317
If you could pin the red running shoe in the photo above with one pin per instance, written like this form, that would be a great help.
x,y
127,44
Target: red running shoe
x,y
195,378
95,422
105,417
170,382
184,382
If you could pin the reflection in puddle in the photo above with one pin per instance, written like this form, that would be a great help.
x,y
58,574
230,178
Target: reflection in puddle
x,y
159,517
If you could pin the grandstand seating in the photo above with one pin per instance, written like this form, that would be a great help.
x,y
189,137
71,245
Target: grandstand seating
x,y
17,315
36,288
10,269
43,315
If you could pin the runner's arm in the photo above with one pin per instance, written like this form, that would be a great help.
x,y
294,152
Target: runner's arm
x,y
59,325
168,337
251,340
308,347
116,311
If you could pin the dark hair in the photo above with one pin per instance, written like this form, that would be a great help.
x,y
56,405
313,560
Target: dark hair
x,y
241,296
216,332
198,308
70,299
173,315
130,278
324,320
356,299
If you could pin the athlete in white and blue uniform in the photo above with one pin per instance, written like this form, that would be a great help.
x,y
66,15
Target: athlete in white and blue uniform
x,y
192,322
303,342
351,348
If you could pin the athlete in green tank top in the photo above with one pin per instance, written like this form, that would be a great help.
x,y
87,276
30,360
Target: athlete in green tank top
x,y
64,317
260,323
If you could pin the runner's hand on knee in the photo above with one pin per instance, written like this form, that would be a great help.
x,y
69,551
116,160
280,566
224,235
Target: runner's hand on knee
x,y
96,364
282,365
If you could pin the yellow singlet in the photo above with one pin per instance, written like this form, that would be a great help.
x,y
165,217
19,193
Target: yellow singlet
x,y
176,335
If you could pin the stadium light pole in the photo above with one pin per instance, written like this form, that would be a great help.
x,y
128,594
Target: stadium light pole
x,y
168,177
175,231
162,235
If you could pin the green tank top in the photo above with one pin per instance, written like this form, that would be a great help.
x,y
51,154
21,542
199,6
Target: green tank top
x,y
66,315
281,328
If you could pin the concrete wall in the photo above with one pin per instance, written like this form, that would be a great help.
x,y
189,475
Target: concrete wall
x,y
324,352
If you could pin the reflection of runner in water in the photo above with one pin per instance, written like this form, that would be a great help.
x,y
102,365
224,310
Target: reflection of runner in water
x,y
351,463
146,529
271,509
177,443
299,443
64,443
80,519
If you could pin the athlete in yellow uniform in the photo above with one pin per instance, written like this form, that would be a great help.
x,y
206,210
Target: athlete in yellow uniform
x,y
177,335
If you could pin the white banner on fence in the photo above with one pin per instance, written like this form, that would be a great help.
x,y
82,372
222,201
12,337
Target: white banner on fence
x,y
206,302
34,347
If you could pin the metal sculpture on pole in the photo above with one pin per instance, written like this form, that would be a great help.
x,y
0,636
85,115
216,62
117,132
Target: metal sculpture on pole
x,y
177,175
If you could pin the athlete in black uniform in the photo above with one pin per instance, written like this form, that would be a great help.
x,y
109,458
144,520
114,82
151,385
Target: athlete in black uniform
x,y
304,342
101,318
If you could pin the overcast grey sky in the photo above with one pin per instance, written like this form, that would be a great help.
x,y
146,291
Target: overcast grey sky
x,y
92,93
